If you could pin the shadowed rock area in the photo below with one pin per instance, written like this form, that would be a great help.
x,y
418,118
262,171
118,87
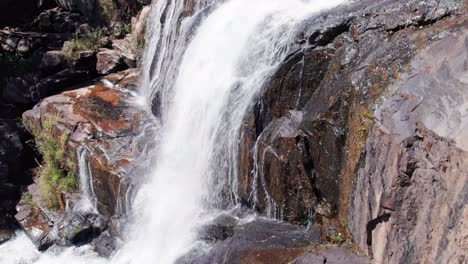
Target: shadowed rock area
x,y
232,240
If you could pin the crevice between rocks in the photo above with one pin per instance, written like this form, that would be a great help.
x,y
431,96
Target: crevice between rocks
x,y
371,225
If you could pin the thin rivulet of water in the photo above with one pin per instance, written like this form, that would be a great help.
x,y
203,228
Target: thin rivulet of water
x,y
200,83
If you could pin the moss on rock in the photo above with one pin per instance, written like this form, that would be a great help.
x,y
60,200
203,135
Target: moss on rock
x,y
56,174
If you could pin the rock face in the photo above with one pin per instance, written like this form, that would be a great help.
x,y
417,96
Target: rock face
x,y
393,179
26,43
412,184
58,21
264,241
87,7
109,61
106,131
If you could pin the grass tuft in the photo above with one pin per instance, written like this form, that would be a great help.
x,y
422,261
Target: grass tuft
x,y
77,44
57,172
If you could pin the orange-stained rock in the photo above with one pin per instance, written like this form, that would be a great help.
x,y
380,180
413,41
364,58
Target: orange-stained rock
x,y
103,119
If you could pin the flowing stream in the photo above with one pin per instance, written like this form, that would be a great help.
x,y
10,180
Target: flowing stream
x,y
201,75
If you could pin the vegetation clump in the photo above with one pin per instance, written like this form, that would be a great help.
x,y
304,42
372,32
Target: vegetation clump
x,y
87,42
26,198
56,174
107,8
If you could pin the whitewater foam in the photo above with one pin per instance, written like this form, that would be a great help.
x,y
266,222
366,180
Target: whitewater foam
x,y
206,82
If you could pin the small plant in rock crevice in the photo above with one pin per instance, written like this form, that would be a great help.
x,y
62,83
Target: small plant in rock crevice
x,y
106,8
90,41
26,198
56,174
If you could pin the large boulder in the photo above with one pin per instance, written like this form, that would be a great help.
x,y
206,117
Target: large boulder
x,y
109,61
106,134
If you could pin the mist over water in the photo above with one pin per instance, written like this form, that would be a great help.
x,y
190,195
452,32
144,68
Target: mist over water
x,y
206,80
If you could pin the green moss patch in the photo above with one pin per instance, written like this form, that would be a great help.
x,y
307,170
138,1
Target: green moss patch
x,y
56,174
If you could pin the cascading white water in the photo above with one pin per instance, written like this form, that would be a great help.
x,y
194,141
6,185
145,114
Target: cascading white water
x,y
87,202
169,31
203,103
233,52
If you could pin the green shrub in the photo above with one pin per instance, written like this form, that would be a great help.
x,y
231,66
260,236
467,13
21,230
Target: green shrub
x,y
77,44
107,8
57,172
337,238
127,28
27,198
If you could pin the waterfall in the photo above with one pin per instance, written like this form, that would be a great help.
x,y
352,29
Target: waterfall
x,y
201,74
235,49
170,27
87,202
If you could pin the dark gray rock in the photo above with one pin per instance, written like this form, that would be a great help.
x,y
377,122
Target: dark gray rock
x,y
6,235
74,229
263,241
85,7
85,60
58,21
28,90
334,255
109,61
105,244
220,229
53,61
27,43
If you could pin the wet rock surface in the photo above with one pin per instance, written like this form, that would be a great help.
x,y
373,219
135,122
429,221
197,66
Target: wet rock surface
x,y
308,131
109,61
105,120
106,134
266,241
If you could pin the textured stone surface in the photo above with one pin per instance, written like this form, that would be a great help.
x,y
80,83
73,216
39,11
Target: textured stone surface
x,y
411,189
86,7
104,121
58,21
26,43
268,242
104,118
308,131
109,61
